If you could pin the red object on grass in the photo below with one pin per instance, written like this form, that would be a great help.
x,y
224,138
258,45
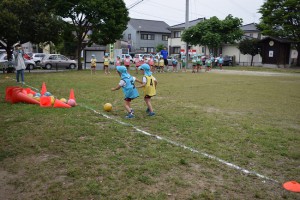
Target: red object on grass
x,y
45,101
44,89
16,94
60,104
292,186
72,96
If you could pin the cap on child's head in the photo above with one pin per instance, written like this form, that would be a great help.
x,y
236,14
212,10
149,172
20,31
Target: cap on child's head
x,y
106,54
93,55
144,67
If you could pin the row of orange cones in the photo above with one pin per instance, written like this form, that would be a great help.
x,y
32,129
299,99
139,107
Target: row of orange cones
x,y
16,94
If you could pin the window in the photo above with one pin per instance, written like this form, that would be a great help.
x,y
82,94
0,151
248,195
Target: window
x,y
147,49
177,34
176,49
129,36
165,38
147,36
251,34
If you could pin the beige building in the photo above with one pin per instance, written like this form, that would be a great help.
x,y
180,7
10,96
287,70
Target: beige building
x,y
177,46
250,31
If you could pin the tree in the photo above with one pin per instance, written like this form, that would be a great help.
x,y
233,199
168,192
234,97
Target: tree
x,y
249,46
67,44
34,25
281,18
94,21
214,32
159,47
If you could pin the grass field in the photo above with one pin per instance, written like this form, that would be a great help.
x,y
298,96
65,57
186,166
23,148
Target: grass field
x,y
250,121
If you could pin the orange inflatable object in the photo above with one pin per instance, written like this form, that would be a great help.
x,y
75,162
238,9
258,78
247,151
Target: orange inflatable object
x,y
8,93
72,96
17,95
29,91
45,101
60,104
44,89
292,186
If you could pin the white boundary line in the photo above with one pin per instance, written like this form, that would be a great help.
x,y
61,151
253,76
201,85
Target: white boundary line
x,y
183,146
178,144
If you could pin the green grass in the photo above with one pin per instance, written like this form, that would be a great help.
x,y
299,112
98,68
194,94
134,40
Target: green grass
x,y
250,121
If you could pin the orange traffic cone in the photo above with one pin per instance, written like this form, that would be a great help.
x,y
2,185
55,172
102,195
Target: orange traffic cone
x,y
60,104
292,186
45,101
29,91
72,96
8,93
44,89
19,96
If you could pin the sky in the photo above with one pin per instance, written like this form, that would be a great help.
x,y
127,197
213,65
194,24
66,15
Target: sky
x,y
173,11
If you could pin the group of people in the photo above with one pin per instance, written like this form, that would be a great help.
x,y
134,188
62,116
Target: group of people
x,y
127,83
199,61
159,63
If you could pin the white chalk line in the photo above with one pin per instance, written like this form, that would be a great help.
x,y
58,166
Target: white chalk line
x,y
177,144
184,146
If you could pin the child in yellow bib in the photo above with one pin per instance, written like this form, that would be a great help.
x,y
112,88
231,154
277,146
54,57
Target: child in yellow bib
x,y
149,84
93,64
106,64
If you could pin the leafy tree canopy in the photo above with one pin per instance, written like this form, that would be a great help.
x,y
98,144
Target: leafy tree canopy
x,y
249,46
27,20
281,18
94,21
213,32
159,47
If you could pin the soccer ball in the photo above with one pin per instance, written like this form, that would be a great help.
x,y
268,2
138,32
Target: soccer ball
x,y
63,100
107,107
72,102
52,99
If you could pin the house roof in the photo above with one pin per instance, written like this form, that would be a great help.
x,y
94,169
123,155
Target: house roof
x,y
282,40
149,25
191,23
250,28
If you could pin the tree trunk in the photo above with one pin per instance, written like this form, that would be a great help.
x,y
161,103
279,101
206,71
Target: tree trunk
x,y
79,48
251,60
298,58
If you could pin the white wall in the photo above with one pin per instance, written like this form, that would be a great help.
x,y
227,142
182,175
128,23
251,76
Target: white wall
x,y
240,59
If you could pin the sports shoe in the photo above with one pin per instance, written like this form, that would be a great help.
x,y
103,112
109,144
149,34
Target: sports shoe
x,y
151,113
129,116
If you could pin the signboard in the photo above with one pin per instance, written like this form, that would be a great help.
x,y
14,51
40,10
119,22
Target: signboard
x,y
191,51
271,53
294,54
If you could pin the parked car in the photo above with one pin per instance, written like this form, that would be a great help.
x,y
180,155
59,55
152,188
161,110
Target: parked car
x,y
123,56
227,60
57,60
37,57
30,64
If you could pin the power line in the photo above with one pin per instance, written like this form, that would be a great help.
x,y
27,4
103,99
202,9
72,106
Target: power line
x,y
134,4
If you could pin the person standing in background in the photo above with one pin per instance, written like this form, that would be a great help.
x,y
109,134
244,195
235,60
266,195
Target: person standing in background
x,y
165,54
20,63
93,64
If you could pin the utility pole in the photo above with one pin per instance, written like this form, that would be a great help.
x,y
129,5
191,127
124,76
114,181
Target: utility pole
x,y
186,27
